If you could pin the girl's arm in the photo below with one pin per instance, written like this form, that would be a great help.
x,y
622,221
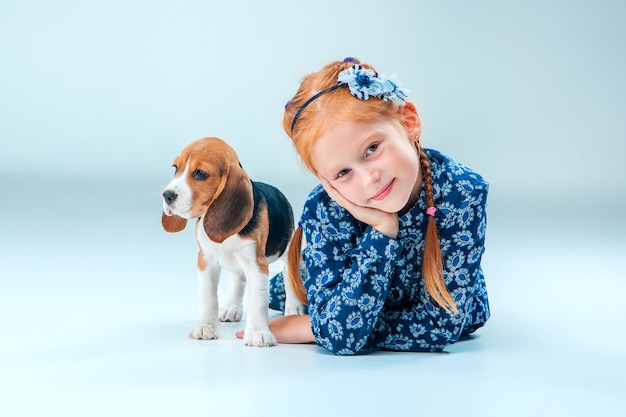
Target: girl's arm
x,y
290,329
422,326
349,266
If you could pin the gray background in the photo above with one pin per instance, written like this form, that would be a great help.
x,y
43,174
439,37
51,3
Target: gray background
x,y
98,97
529,93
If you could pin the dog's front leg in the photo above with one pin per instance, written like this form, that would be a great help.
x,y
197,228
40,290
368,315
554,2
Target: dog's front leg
x,y
257,332
207,325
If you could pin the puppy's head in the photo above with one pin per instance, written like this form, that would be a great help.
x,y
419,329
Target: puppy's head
x,y
209,182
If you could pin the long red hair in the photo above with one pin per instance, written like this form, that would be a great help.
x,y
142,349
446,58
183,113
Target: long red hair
x,y
340,105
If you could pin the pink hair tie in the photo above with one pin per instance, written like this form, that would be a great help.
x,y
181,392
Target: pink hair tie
x,y
431,211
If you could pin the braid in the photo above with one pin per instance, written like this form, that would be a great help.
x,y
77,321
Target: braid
x,y
432,262
427,176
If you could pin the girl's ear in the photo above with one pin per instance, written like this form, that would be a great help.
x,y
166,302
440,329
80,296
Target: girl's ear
x,y
411,120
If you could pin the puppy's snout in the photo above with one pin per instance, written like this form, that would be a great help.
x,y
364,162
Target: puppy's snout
x,y
169,196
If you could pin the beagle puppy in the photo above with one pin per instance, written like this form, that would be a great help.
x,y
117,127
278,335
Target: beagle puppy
x,y
241,227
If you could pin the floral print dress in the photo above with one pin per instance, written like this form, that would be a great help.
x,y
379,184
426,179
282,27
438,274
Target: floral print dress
x,y
365,290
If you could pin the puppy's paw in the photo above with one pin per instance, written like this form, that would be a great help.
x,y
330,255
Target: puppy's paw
x,y
231,313
295,309
204,331
259,338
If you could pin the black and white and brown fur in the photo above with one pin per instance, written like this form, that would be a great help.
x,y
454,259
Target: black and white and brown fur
x,y
241,227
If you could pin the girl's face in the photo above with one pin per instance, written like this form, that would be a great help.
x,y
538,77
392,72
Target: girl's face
x,y
372,164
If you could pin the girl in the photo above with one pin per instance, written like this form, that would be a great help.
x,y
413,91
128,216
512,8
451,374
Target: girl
x,y
394,233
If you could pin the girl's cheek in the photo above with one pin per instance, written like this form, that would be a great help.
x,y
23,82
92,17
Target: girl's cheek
x,y
351,194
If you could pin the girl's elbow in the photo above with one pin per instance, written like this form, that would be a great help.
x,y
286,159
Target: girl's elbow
x,y
341,349
342,346
340,337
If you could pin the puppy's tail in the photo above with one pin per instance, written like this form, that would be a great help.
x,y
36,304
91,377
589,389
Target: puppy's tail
x,y
293,265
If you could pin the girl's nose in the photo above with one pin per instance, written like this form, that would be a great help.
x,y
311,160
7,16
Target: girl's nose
x,y
371,177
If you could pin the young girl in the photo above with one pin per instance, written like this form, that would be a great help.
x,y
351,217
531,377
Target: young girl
x,y
394,233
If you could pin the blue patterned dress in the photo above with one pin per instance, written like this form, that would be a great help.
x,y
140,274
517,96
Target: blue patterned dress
x,y
365,289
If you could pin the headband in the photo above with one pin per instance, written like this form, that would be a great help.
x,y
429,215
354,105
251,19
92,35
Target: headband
x,y
363,84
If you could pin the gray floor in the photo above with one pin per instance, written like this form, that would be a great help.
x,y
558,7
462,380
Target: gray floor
x,y
96,302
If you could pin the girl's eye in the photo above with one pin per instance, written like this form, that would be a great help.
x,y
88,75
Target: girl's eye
x,y
372,148
342,173
200,175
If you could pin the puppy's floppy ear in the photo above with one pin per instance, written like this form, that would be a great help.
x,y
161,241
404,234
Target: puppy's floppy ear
x,y
232,207
173,223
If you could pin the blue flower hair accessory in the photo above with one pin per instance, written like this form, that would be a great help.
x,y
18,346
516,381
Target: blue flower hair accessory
x,y
363,84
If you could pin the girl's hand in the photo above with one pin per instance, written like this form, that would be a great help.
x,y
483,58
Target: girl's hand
x,y
290,329
386,223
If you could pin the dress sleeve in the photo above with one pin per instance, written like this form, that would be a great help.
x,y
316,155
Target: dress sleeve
x,y
348,267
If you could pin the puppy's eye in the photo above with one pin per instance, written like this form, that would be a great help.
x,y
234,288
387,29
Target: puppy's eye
x,y
200,175
175,169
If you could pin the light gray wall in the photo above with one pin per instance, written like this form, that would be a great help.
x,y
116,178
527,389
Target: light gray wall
x,y
531,93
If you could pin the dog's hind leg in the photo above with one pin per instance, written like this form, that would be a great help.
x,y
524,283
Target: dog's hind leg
x,y
232,309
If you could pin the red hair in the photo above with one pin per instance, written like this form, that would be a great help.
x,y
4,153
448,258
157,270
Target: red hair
x,y
336,106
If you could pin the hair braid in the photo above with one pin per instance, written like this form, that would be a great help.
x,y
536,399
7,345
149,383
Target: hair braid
x,y
293,266
432,262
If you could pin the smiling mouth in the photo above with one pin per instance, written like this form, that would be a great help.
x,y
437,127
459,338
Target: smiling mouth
x,y
384,192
